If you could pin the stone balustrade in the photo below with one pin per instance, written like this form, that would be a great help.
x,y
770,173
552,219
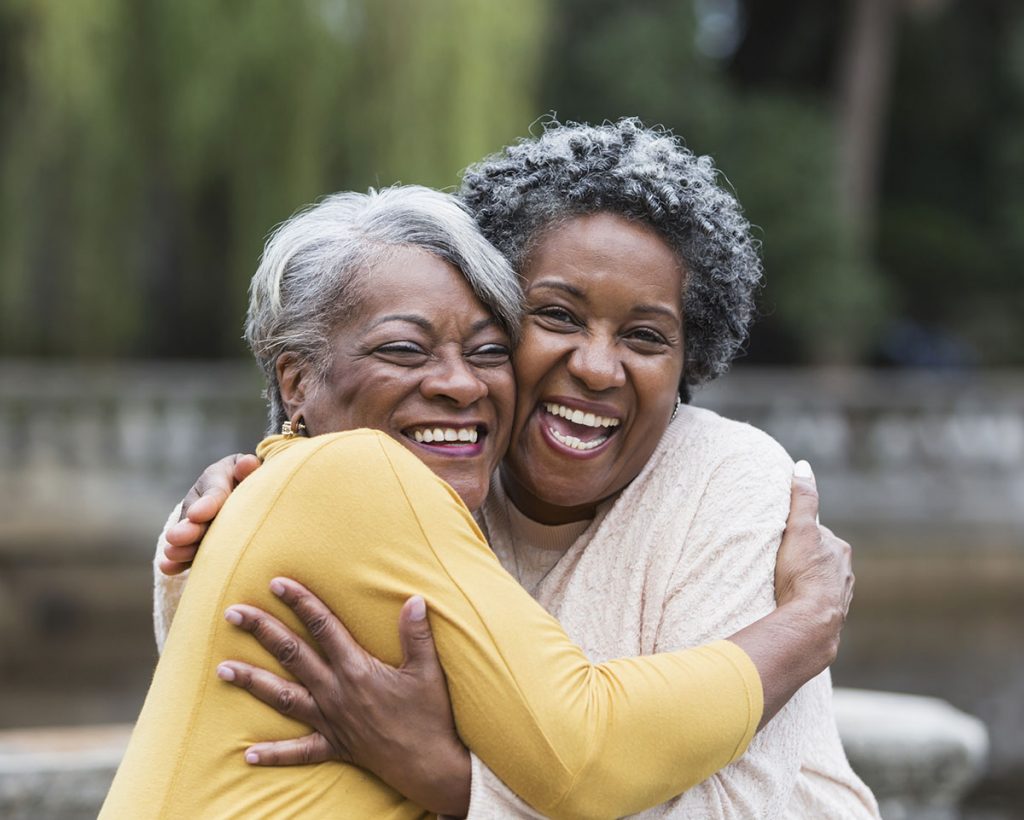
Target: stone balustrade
x,y
899,449
919,756
912,467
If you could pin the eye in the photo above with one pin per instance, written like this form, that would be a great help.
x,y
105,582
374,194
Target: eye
x,y
403,353
492,354
647,338
556,317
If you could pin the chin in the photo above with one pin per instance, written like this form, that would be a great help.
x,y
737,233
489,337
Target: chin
x,y
568,496
471,491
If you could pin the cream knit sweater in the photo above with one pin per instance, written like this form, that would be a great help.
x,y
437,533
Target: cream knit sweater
x,y
685,555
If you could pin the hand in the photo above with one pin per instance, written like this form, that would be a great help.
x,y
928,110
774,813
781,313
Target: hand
x,y
814,566
200,506
395,722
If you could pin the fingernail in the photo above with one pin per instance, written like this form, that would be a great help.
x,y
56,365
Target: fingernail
x,y
417,608
252,757
803,470
233,616
225,673
277,588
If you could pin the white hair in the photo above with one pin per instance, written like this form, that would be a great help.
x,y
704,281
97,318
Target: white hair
x,y
309,277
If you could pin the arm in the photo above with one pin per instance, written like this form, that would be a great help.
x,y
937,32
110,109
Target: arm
x,y
167,589
380,718
813,590
525,698
789,645
725,579
180,538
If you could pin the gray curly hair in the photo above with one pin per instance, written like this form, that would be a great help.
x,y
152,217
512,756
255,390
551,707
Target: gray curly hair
x,y
315,264
646,175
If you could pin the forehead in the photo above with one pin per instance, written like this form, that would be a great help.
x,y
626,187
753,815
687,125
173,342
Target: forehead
x,y
601,249
412,280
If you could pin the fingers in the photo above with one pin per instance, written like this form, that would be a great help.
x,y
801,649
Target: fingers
x,y
293,653
245,466
300,751
803,501
172,567
210,491
181,542
182,556
327,630
288,698
418,650
205,508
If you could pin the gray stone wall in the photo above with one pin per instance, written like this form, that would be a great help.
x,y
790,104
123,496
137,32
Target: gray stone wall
x,y
924,473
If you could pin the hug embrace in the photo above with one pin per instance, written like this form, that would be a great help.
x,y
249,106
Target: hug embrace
x,y
502,566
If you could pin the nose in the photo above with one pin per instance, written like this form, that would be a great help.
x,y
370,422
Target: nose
x,y
453,379
596,363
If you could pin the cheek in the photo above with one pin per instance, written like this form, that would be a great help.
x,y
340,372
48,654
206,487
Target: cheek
x,y
538,353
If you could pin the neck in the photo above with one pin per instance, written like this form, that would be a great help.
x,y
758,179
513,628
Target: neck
x,y
539,510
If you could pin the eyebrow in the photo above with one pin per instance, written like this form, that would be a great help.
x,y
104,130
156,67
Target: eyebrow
x,y
422,322
412,318
572,290
657,309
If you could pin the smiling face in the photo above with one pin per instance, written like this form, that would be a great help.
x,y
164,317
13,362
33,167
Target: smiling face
x,y
598,367
422,360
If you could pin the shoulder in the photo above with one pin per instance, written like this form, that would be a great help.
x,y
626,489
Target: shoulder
x,y
282,453
356,460
702,437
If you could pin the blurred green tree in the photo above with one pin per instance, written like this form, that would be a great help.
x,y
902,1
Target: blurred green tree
x,y
147,147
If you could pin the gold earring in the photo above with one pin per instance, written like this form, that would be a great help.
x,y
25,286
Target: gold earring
x,y
291,430
675,410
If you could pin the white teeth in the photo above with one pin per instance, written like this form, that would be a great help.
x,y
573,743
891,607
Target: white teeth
x,y
575,443
579,417
430,435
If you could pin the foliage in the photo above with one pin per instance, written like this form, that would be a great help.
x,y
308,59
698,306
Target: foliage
x,y
146,147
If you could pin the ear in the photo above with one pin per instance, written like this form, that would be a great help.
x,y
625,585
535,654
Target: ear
x,y
295,381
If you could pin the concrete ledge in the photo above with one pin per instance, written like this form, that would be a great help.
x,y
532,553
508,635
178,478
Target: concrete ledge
x,y
918,754
62,772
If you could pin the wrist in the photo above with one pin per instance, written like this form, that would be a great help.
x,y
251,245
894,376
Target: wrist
x,y
817,623
456,784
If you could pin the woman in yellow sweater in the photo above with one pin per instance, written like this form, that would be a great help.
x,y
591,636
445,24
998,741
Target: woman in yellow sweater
x,y
370,311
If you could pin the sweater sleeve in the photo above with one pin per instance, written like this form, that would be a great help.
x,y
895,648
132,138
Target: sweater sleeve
x,y
723,581
167,589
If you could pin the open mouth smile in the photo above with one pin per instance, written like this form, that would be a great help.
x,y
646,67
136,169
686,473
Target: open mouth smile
x,y
576,429
452,440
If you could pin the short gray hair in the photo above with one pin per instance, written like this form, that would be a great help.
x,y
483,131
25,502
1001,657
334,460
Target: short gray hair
x,y
313,265
645,175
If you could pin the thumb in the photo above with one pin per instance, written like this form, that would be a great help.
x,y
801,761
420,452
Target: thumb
x,y
803,500
418,650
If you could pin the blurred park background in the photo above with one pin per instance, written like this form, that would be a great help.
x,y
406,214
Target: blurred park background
x,y
147,147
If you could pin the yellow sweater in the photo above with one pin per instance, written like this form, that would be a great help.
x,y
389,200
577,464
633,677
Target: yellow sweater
x,y
361,521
